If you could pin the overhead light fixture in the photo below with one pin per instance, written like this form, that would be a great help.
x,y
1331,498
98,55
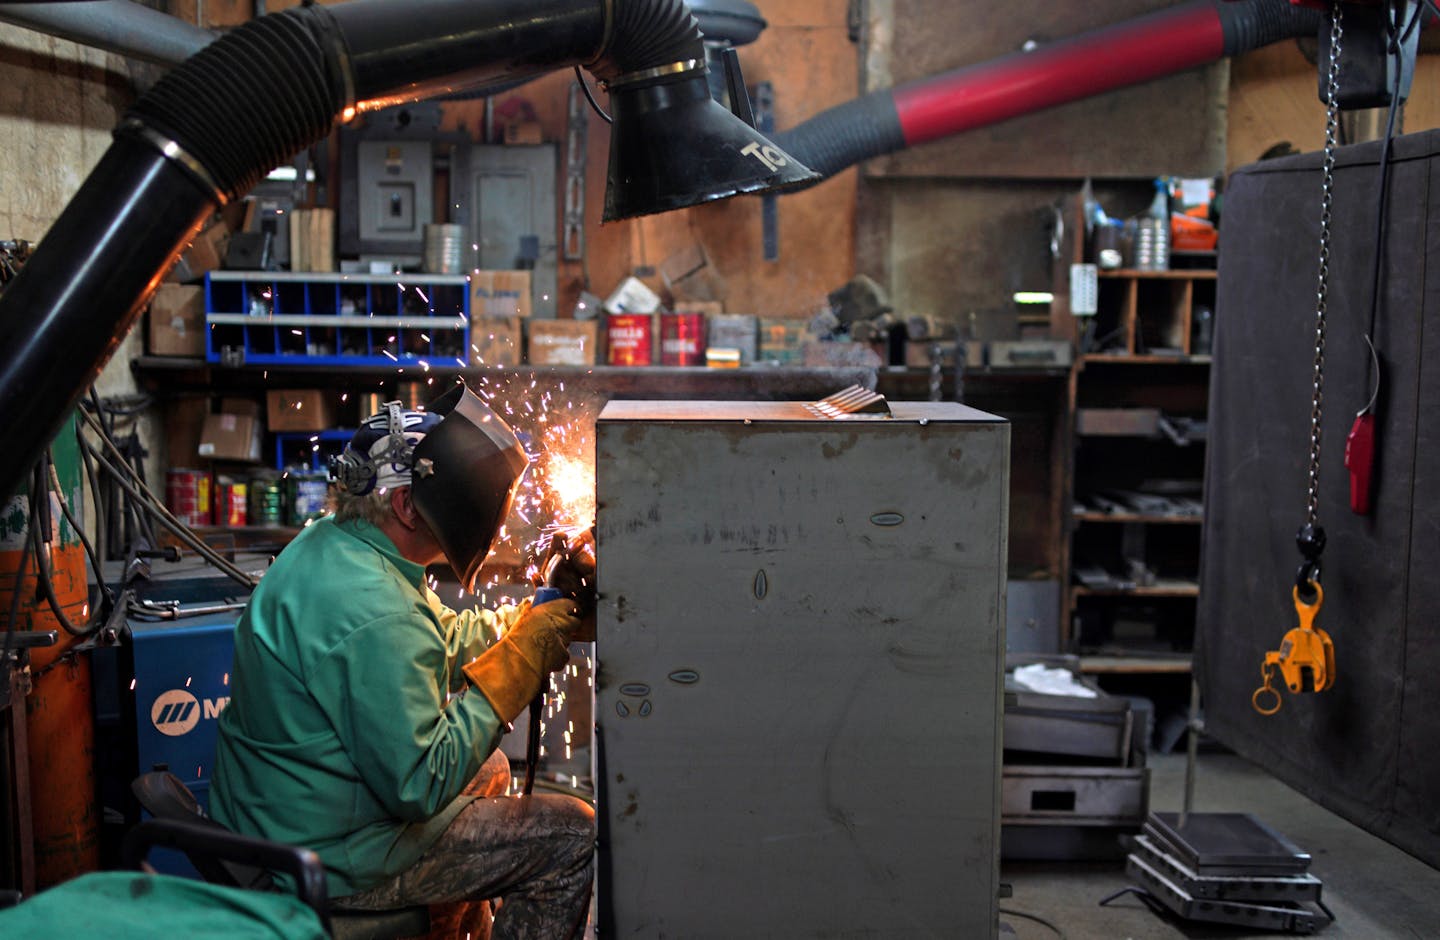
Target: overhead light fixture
x,y
673,146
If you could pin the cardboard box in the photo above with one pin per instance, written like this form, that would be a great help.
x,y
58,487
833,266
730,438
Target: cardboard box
x,y
206,252
710,308
230,437
184,418
305,409
500,294
689,275
497,341
235,405
177,320
562,342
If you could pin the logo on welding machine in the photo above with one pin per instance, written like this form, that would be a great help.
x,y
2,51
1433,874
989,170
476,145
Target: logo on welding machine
x,y
175,712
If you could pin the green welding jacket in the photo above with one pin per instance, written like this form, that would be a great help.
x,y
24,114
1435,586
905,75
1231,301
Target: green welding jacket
x,y
349,729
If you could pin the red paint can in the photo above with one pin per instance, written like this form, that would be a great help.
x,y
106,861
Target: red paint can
x,y
231,502
682,339
187,496
629,339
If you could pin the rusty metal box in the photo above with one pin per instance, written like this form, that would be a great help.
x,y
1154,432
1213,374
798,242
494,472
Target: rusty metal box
x,y
800,650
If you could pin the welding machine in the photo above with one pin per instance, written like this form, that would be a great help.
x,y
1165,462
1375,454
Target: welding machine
x,y
158,696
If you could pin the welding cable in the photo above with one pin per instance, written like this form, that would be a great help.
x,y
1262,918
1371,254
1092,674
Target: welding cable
x,y
107,430
103,592
146,500
175,526
44,574
1139,50
96,494
1011,912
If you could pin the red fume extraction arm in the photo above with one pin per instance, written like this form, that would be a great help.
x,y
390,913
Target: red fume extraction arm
x,y
1129,53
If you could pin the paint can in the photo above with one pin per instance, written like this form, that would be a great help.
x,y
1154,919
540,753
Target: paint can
x,y
305,497
230,502
629,339
682,339
266,504
187,496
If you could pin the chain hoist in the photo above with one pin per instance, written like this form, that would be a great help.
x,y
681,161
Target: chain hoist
x,y
1306,658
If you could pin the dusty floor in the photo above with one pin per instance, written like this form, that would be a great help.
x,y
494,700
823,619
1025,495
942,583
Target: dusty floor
x,y
1375,890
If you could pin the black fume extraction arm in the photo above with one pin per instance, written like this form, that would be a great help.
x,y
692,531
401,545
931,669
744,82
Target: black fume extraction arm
x,y
246,103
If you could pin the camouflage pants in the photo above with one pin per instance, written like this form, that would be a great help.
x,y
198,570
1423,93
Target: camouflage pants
x,y
533,853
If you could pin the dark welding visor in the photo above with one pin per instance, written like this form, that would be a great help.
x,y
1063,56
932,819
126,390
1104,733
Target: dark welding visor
x,y
464,479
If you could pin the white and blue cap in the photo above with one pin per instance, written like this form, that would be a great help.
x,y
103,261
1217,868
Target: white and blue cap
x,y
381,455
461,461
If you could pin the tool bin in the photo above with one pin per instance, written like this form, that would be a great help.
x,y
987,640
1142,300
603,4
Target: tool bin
x,y
291,318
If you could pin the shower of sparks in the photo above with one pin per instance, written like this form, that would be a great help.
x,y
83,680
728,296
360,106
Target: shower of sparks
x,y
557,492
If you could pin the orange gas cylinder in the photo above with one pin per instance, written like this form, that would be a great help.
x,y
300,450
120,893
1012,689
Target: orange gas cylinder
x,y
60,725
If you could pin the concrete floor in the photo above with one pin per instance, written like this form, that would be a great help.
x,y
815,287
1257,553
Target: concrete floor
x,y
1375,890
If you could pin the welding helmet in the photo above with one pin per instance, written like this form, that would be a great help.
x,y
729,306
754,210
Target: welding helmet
x,y
460,460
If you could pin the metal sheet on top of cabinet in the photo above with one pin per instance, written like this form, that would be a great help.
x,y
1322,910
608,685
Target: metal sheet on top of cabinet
x,y
800,646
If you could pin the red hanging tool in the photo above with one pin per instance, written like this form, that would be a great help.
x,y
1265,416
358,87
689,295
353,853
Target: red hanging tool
x,y
1360,461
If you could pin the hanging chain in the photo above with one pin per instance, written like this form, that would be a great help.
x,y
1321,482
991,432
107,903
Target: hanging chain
x,y
1327,184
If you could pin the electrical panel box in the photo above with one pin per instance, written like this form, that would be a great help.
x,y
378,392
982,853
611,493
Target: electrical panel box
x,y
801,636
396,192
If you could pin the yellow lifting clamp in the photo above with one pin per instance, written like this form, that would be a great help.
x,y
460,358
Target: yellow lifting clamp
x,y
1306,657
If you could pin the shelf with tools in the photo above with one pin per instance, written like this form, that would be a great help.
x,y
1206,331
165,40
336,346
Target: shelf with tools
x,y
1155,316
1137,403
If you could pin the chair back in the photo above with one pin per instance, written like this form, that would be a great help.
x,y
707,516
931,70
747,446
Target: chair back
x,y
165,796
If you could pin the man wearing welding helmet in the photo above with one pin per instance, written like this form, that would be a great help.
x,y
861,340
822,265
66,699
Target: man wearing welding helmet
x,y
365,715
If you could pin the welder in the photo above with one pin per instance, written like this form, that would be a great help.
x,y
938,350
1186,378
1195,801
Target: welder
x,y
365,714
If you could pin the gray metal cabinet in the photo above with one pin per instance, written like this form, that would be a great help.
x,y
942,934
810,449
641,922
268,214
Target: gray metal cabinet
x,y
512,189
800,649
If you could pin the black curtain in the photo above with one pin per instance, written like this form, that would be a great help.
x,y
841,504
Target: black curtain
x,y
1369,748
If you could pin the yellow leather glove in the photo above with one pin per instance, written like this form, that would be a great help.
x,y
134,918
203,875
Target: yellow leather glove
x,y
512,672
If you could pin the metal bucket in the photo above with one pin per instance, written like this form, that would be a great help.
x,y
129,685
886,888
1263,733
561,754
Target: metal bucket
x,y
682,339
230,502
266,504
444,249
629,339
305,497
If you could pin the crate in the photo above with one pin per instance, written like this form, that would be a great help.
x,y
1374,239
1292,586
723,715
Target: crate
x,y
289,318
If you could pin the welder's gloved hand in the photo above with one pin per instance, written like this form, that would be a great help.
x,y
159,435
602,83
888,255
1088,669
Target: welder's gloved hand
x,y
569,567
512,671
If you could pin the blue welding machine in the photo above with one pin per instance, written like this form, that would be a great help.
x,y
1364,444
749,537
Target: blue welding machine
x,y
157,701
